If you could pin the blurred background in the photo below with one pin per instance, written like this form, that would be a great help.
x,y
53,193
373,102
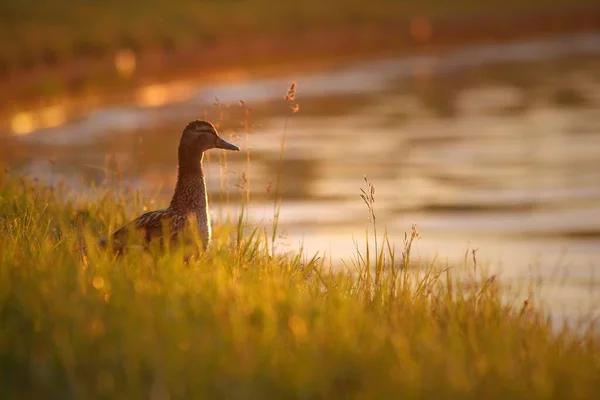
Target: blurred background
x,y
477,120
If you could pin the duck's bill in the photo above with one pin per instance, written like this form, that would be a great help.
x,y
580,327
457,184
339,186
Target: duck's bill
x,y
222,144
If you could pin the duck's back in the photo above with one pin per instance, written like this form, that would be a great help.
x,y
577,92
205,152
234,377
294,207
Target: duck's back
x,y
152,225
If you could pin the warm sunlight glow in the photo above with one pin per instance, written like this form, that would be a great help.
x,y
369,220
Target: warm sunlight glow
x,y
53,116
125,62
23,123
152,95
156,95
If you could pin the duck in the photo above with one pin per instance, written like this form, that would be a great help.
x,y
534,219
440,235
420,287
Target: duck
x,y
189,201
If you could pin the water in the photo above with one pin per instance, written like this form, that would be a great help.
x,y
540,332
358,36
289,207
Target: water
x,y
495,148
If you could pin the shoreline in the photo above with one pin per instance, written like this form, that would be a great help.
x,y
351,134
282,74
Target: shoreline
x,y
81,75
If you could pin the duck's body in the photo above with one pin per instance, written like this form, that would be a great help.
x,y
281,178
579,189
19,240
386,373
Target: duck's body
x,y
189,201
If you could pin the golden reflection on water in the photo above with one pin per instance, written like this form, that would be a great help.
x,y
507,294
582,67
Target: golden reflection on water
x,y
53,116
64,110
23,123
159,94
233,75
26,122
152,95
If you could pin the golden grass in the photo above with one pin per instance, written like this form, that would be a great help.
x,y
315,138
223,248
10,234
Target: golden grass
x,y
244,322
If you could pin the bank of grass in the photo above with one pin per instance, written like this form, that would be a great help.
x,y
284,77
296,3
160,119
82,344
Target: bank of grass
x,y
46,32
242,323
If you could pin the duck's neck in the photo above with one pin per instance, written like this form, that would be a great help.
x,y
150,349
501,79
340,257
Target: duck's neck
x,y
190,189
190,192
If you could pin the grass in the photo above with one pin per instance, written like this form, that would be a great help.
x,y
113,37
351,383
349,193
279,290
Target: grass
x,y
242,322
46,32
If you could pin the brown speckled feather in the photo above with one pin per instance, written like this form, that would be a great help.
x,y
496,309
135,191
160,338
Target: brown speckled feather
x,y
151,224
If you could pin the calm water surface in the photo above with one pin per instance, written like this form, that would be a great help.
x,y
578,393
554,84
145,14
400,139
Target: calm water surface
x,y
489,147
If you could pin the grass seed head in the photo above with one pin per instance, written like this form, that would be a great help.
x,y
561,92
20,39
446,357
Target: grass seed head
x,y
291,93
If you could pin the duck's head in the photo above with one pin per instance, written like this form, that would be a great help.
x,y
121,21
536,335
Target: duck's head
x,y
197,137
202,135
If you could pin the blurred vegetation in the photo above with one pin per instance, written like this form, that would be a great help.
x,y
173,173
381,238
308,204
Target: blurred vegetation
x,y
34,32
244,323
